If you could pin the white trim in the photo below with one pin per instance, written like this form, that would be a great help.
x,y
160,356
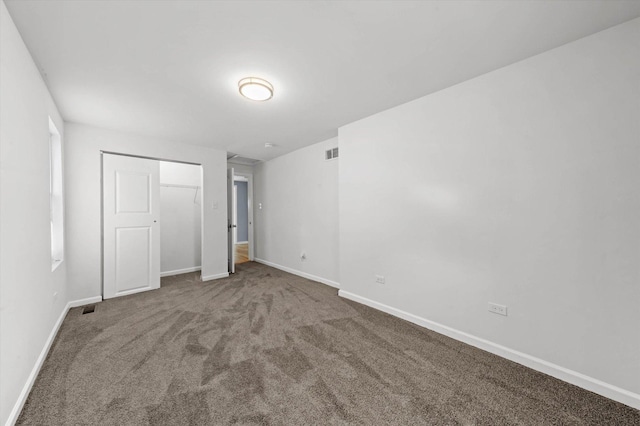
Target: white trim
x,y
180,271
299,273
242,242
589,383
215,276
22,398
130,292
87,301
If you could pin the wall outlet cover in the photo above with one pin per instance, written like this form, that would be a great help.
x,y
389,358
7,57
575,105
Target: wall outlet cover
x,y
498,309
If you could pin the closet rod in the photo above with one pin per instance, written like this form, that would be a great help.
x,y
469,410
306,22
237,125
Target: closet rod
x,y
172,185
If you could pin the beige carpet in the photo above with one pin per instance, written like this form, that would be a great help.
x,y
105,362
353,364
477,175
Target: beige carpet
x,y
267,347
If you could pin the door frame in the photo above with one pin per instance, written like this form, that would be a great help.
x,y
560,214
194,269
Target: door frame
x,y
102,152
249,177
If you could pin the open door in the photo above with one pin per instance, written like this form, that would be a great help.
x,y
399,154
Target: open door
x,y
231,219
131,228
235,214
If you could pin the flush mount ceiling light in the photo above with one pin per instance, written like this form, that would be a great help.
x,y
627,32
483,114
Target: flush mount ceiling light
x,y
255,89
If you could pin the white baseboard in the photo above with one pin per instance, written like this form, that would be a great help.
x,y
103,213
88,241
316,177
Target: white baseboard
x,y
180,271
82,302
22,398
215,276
299,273
589,383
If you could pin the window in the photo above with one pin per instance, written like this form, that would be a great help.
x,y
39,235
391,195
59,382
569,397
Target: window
x,y
55,196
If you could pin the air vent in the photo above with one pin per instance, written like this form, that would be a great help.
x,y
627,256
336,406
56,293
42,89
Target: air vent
x,y
330,154
89,309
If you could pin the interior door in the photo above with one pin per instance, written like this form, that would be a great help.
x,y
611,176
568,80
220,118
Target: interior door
x,y
231,219
235,214
131,225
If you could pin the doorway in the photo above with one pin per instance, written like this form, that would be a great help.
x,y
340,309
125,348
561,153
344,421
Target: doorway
x,y
240,200
151,222
241,231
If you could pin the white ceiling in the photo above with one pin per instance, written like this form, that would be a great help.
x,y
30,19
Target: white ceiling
x,y
170,69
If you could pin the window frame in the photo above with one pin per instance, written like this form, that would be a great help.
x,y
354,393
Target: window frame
x,y
56,200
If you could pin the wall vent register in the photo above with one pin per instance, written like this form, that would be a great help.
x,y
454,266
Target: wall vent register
x,y
330,154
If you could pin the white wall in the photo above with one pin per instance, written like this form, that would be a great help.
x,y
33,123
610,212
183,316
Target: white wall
x,y
299,196
524,192
180,217
83,177
240,168
32,298
172,173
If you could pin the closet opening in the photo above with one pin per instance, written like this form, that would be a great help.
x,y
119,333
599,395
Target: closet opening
x,y
151,222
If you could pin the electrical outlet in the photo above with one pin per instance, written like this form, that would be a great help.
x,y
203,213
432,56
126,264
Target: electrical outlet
x,y
379,279
498,309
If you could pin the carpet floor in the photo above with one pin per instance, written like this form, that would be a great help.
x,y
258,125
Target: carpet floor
x,y
267,347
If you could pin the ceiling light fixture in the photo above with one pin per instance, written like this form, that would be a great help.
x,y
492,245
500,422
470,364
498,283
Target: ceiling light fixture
x,y
255,89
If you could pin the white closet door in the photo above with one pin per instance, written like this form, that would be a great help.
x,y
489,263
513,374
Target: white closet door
x,y
131,214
